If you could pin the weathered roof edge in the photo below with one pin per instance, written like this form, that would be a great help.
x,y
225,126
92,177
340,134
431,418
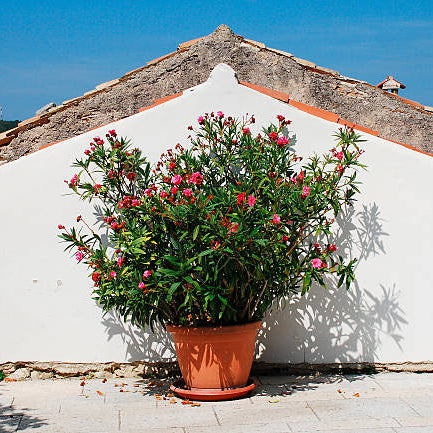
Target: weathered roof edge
x,y
284,97
7,136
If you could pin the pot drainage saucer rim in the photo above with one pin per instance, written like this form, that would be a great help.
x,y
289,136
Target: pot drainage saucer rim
x,y
212,394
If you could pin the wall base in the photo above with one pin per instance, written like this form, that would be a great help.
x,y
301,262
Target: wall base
x,y
35,370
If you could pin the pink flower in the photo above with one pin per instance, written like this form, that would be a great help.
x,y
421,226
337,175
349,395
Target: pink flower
x,y
234,228
196,178
79,256
251,200
316,263
141,285
176,179
187,192
163,194
200,120
135,202
282,141
276,219
113,274
220,114
74,180
305,191
120,261
174,190
246,131
339,155
273,135
147,274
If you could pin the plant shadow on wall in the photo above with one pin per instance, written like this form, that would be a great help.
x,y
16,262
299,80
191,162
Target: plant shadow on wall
x,y
323,327
141,345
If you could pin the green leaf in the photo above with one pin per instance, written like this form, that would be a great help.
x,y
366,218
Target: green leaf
x,y
306,284
172,289
195,233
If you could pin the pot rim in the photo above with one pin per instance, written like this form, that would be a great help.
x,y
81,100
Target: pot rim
x,y
215,330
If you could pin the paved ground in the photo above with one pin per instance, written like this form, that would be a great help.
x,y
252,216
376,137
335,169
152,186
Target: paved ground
x,y
380,403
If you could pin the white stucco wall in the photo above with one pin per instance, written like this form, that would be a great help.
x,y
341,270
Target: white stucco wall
x,y
46,312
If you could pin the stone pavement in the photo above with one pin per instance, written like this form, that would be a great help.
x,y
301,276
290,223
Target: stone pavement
x,y
379,403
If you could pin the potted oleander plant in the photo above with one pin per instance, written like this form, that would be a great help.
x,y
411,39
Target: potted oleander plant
x,y
206,240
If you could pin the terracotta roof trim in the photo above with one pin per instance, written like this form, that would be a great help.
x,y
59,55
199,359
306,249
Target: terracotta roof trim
x,y
156,103
327,115
280,96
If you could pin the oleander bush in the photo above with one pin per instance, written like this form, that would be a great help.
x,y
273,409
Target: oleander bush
x,y
213,233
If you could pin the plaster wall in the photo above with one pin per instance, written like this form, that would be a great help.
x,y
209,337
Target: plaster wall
x,y
46,311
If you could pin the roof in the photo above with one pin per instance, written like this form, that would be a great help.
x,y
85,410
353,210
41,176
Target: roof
x,y
255,63
284,97
390,78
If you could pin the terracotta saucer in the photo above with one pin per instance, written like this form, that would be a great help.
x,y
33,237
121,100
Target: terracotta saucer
x,y
212,394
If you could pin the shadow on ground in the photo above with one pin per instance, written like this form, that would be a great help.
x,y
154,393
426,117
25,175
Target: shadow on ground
x,y
12,419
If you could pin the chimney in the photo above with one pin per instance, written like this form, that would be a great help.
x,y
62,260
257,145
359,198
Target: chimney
x,y
391,85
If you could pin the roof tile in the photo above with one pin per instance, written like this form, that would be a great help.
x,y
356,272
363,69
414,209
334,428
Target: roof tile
x,y
324,114
4,139
187,44
304,62
255,43
409,147
283,53
366,130
269,92
330,71
160,101
107,84
346,123
159,59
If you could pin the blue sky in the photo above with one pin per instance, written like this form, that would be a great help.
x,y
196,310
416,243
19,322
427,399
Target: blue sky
x,y
57,50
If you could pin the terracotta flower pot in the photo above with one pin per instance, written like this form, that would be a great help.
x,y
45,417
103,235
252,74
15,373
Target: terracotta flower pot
x,y
215,358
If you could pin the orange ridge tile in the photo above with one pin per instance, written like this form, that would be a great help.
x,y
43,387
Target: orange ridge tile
x,y
160,101
281,96
6,140
324,114
187,44
51,144
366,130
146,107
100,126
408,146
346,123
413,103
159,59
